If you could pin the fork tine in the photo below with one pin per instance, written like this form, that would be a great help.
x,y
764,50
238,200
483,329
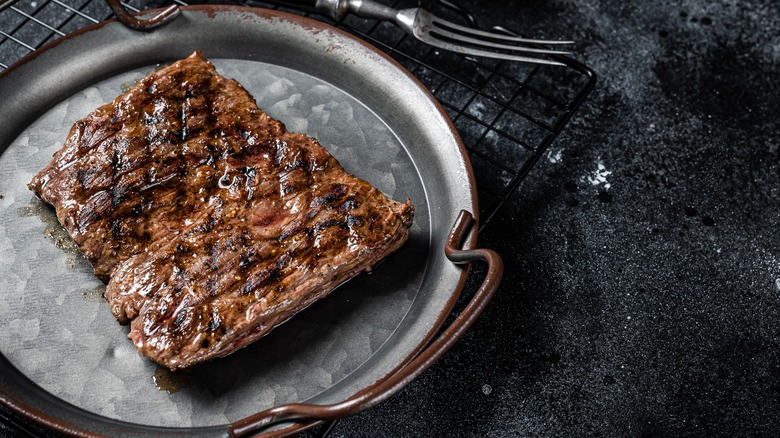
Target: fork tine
x,y
484,53
492,35
480,42
450,36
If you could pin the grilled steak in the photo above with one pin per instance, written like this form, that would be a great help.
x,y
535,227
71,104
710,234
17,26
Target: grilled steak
x,y
209,221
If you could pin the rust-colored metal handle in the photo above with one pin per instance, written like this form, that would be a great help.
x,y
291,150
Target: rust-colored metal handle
x,y
312,413
146,24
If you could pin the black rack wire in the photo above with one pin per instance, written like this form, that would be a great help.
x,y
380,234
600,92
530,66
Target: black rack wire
x,y
507,113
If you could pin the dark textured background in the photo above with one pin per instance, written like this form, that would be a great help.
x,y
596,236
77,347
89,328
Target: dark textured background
x,y
649,308
646,304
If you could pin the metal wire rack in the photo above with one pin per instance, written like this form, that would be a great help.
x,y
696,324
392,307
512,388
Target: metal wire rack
x,y
507,113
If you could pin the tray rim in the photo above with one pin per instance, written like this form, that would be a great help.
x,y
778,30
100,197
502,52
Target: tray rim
x,y
469,242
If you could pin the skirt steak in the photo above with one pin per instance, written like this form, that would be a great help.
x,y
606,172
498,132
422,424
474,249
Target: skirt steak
x,y
209,221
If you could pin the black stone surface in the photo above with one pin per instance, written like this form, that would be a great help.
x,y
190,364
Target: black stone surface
x,y
642,286
647,304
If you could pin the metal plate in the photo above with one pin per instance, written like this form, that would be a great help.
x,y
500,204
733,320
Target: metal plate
x,y
56,332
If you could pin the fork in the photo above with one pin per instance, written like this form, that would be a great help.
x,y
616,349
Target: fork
x,y
441,33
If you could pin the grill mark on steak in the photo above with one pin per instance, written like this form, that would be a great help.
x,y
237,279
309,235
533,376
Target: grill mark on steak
x,y
209,221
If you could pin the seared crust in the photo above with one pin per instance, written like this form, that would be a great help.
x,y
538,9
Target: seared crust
x,y
210,222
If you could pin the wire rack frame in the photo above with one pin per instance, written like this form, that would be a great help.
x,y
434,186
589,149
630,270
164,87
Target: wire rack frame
x,y
507,113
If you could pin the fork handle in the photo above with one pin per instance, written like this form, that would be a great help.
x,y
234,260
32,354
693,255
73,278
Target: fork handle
x,y
338,9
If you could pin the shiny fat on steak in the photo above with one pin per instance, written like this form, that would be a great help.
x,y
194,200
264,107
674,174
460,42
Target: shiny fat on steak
x,y
209,221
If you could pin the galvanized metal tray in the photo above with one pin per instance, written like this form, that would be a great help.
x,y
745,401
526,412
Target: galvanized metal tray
x,y
65,361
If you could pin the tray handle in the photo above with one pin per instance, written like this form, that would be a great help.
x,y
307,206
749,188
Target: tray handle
x,y
382,390
129,20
